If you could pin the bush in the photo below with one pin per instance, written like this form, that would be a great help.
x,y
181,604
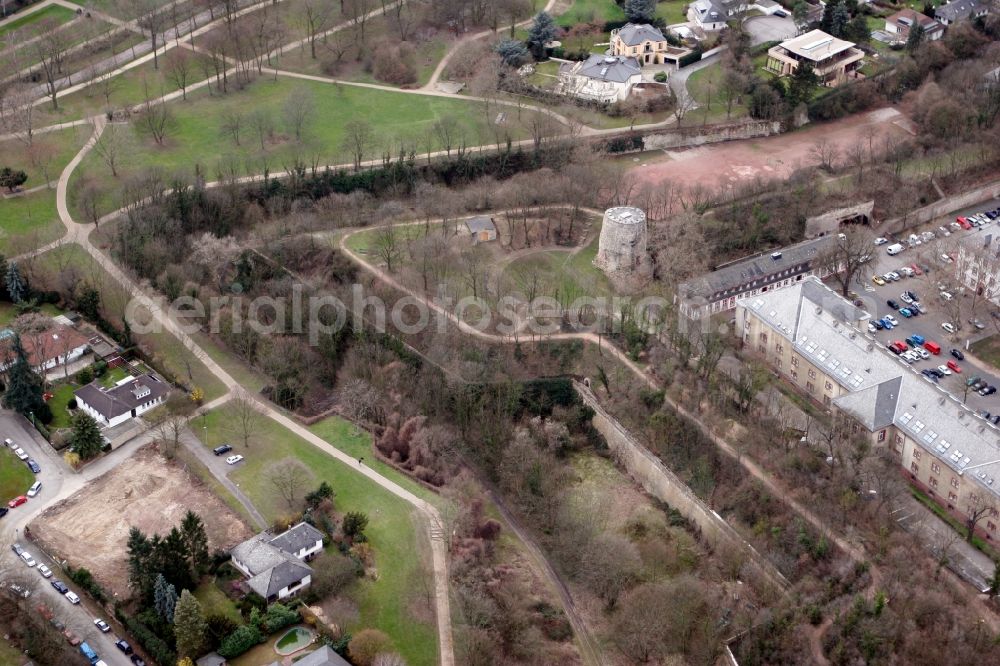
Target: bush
x,y
366,645
690,58
100,367
660,77
85,376
395,65
44,413
152,643
250,602
238,642
278,617
85,579
219,626
334,574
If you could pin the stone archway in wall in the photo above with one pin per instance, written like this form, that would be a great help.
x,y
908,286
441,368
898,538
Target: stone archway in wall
x,y
831,221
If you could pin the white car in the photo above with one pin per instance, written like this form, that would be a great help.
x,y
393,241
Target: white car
x,y
892,320
19,452
232,460
948,327
907,271
872,329
893,275
881,241
944,232
28,559
10,443
946,295
45,571
905,297
946,259
102,625
910,356
944,369
924,354
73,599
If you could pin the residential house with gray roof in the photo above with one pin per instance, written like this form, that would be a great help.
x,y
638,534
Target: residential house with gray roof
x,y
713,15
961,10
819,342
641,41
132,397
604,79
275,566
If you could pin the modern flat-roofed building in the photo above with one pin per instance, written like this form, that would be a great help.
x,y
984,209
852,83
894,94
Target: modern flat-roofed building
x,y
719,290
834,60
817,340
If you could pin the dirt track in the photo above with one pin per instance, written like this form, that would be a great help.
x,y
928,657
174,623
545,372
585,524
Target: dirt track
x,y
777,156
90,529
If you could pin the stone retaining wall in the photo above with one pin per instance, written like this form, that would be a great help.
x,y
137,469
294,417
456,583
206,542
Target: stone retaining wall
x,y
941,207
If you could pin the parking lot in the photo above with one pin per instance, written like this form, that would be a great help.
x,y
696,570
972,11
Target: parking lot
x,y
936,273
54,475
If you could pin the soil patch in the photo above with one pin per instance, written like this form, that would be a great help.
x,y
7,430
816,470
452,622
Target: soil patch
x,y
90,529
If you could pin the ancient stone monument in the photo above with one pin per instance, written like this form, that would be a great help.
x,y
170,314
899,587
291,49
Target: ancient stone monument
x,y
622,248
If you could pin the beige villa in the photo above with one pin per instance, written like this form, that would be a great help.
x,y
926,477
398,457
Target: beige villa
x,y
834,60
641,41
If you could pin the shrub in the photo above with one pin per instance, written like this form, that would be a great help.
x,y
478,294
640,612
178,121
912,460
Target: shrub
x,y
72,459
250,602
660,77
100,367
85,579
153,644
395,65
354,526
366,645
690,58
244,638
85,376
332,576
219,626
278,617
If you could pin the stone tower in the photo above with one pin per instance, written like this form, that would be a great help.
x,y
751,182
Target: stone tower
x,y
622,248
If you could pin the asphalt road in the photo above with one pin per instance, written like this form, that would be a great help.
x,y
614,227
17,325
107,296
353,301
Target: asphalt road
x,y
929,325
58,482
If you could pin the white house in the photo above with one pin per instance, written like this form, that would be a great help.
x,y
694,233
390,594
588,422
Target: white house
x,y
899,24
132,397
45,349
605,79
275,566
712,15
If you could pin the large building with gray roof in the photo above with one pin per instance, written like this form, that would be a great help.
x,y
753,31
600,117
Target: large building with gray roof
x,y
961,10
275,566
604,79
818,341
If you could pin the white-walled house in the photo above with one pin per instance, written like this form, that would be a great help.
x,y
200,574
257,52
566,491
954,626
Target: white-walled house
x,y
132,397
46,349
275,566
712,15
605,79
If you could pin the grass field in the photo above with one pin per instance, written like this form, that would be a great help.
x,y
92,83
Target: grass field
x,y
672,11
705,86
28,221
9,312
61,395
395,533
591,11
15,477
48,155
988,349
56,12
214,602
196,134
562,275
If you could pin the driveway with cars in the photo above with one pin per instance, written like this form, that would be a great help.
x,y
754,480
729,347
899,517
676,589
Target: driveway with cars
x,y
928,325
58,483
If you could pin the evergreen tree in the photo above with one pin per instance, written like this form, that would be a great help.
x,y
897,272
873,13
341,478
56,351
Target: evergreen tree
x,y
15,283
803,83
354,526
190,627
86,440
800,13
857,30
164,598
196,543
826,23
915,37
140,576
839,20
640,11
543,30
512,52
24,387
172,556
12,178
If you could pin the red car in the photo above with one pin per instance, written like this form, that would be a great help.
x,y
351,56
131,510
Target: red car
x,y
17,501
963,222
954,367
916,269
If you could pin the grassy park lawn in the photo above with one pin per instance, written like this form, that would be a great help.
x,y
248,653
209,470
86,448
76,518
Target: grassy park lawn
x,y
591,11
214,602
546,74
672,11
61,395
127,89
57,12
562,275
28,221
394,531
15,477
9,312
988,349
195,136
48,155
705,87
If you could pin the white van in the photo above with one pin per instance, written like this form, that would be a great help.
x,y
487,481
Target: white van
x,y
894,249
35,488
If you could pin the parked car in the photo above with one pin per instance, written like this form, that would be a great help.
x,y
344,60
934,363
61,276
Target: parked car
x,y
19,452
944,369
73,599
72,638
123,646
232,460
977,324
9,443
60,586
219,450
28,559
892,304
33,466
15,590
924,354
16,547
45,571
916,269
17,501
894,276
878,279
892,320
35,488
905,297
957,353
137,660
881,241
988,390
906,312
946,295
102,625
878,324
954,367
948,327
4,511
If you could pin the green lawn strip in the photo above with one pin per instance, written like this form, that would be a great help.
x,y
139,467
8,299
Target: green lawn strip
x,y
214,601
247,377
395,532
196,137
9,312
80,60
591,11
15,477
57,12
672,11
128,89
988,349
955,524
113,376
61,395
49,154
29,221
357,443
705,86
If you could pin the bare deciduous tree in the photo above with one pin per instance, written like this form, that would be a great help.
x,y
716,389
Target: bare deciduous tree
x,y
845,256
232,124
112,146
245,417
298,110
179,69
290,478
358,137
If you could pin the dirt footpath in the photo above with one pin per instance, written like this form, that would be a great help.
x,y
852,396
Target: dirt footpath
x,y
778,156
90,529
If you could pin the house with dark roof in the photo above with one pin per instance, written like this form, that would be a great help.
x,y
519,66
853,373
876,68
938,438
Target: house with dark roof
x,y
961,10
712,15
481,228
641,41
53,347
275,566
324,656
899,25
605,79
132,397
